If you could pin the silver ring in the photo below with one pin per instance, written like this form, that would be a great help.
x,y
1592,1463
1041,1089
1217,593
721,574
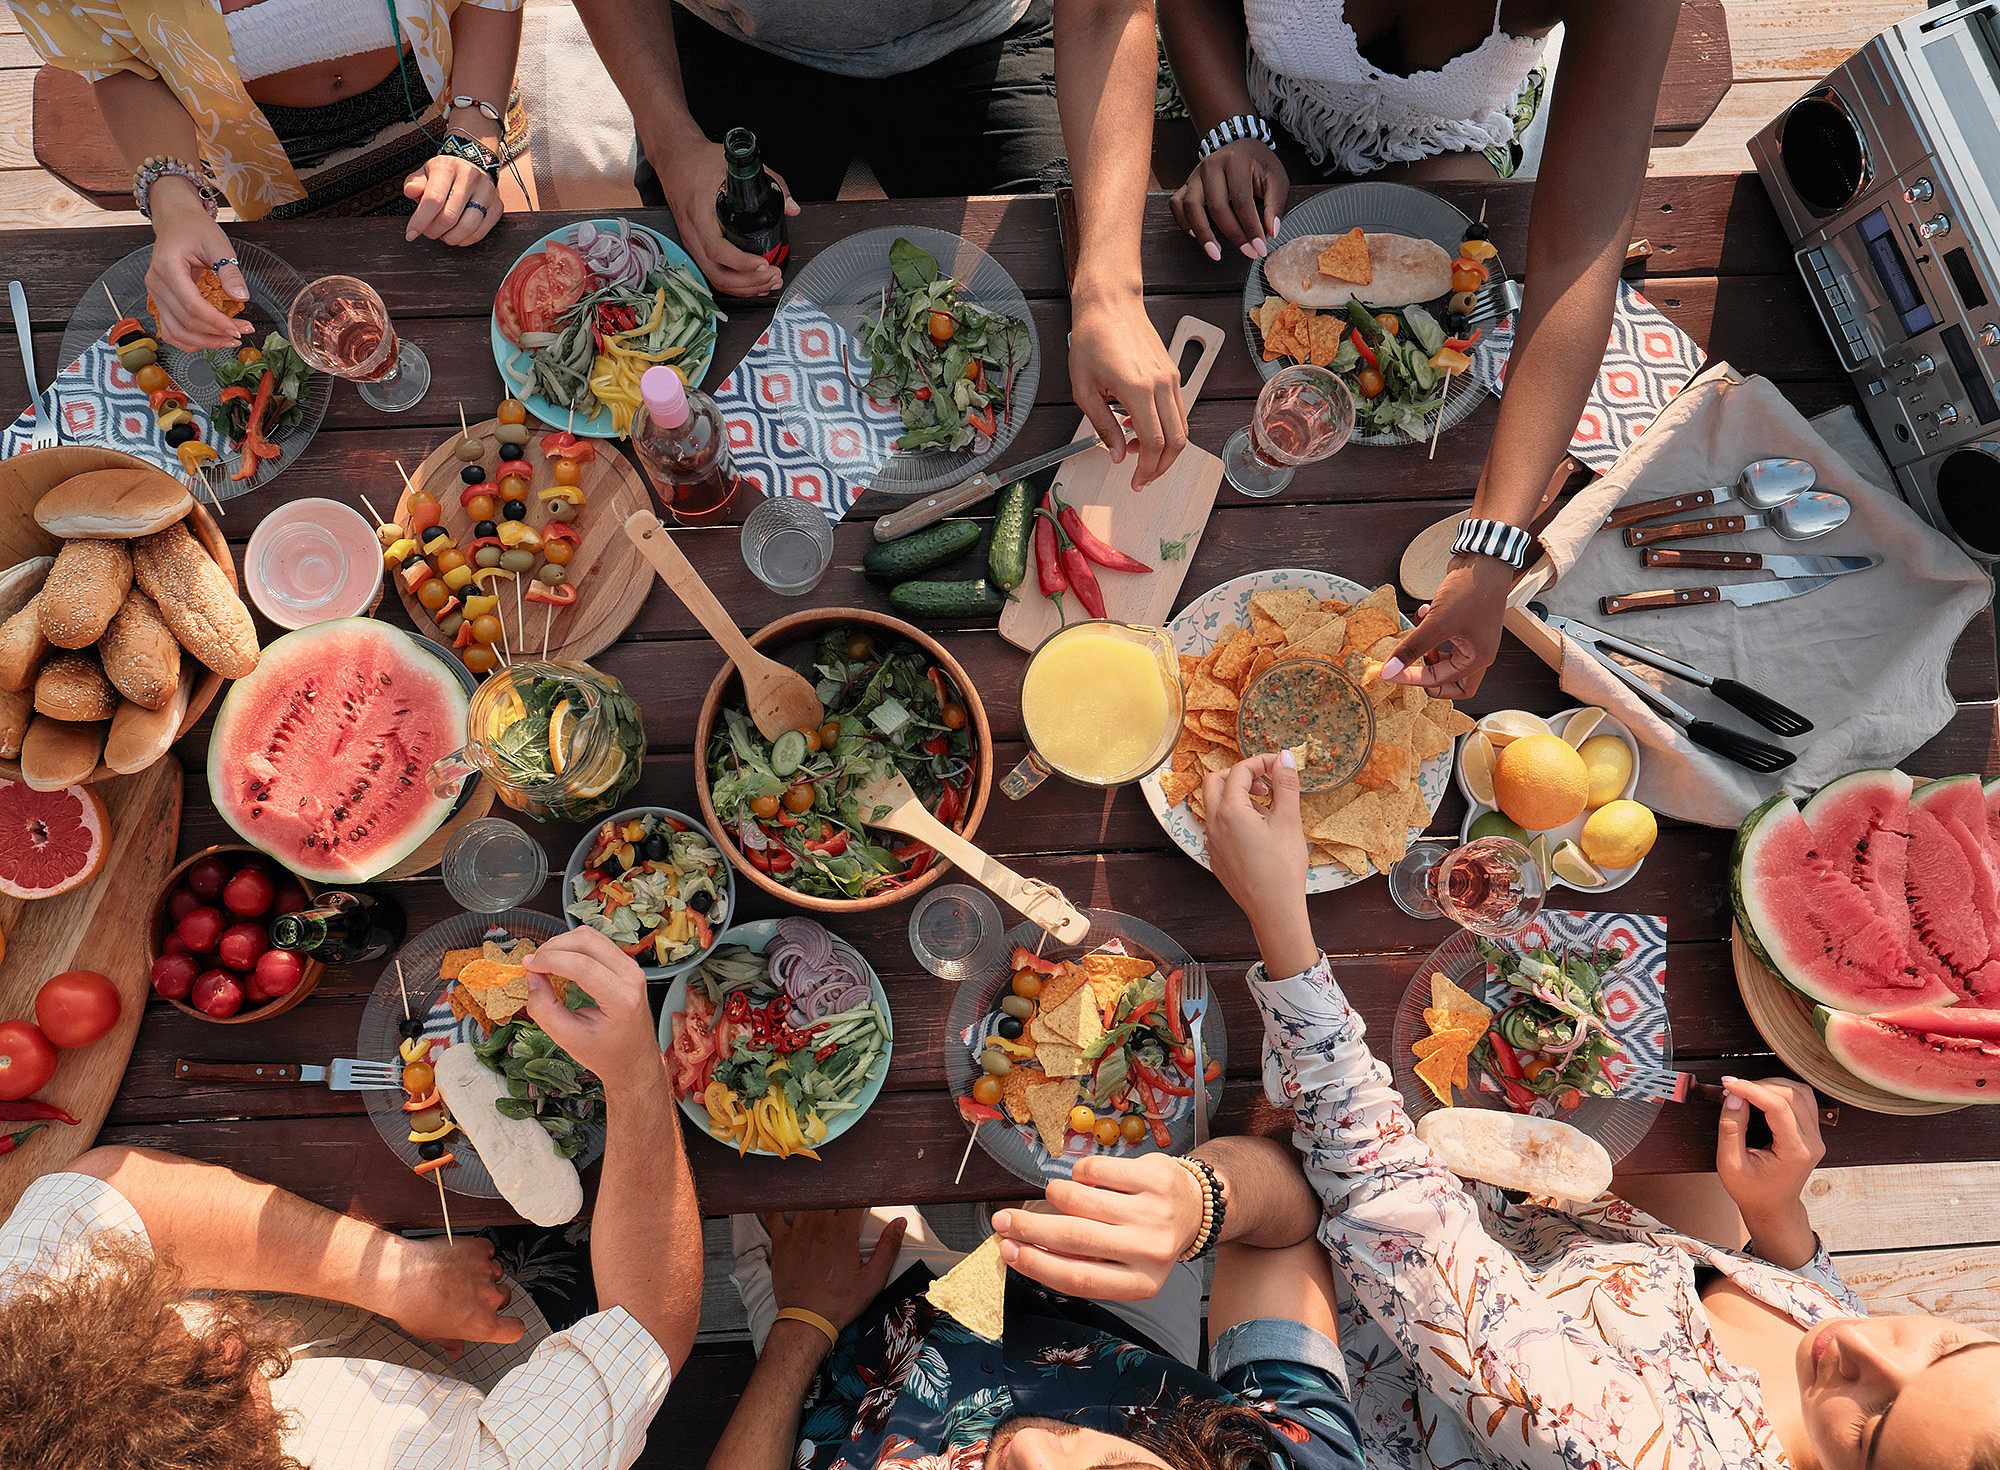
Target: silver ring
x,y
475,204
216,265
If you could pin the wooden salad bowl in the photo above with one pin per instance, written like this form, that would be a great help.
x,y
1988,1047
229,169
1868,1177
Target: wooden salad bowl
x,y
801,627
156,933
26,478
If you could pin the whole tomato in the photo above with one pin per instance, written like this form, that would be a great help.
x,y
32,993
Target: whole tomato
x,y
77,1008
27,1061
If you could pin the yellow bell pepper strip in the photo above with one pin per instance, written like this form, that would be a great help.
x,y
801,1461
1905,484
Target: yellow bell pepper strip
x,y
562,492
1450,360
194,454
498,574
434,1134
437,1163
1020,1051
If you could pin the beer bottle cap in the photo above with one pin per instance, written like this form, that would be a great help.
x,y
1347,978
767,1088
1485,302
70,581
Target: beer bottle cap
x,y
665,396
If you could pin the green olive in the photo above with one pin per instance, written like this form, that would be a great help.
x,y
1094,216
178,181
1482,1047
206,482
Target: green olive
x,y
134,358
487,556
995,1061
511,433
450,624
551,575
1017,1005
562,510
518,560
469,450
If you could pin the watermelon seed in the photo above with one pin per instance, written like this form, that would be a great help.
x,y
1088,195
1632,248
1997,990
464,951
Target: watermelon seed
x,y
340,814
403,780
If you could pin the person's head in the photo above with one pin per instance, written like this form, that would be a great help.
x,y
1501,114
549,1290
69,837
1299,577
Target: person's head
x,y
1901,1393
99,1370
1196,1434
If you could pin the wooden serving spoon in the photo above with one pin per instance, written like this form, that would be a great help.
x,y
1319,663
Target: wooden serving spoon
x,y
1039,903
778,698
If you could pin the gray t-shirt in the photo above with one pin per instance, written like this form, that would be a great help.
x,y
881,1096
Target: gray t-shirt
x,y
861,38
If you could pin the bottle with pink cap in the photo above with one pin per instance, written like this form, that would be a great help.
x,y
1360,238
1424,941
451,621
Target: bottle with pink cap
x,y
680,441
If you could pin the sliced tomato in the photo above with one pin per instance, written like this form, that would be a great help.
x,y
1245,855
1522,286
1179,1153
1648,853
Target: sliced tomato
x,y
544,298
690,1047
569,268
507,300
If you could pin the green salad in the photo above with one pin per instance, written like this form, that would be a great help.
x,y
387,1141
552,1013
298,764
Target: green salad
x,y
791,804
290,377
1412,389
1556,1036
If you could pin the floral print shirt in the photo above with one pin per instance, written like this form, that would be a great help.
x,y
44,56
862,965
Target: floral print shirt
x,y
1510,1335
908,1388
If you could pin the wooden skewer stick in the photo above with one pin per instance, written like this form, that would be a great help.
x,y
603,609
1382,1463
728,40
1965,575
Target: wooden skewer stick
x,y
443,1208
1438,428
404,473
373,512
548,615
463,431
520,616
116,310
404,988
965,1157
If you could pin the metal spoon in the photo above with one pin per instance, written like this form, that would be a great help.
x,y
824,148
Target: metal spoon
x,y
1800,519
1765,484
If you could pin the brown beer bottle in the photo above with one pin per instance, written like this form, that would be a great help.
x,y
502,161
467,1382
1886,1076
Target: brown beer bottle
x,y
751,206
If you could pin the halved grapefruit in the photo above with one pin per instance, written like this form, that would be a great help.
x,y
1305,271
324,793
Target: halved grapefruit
x,y
50,841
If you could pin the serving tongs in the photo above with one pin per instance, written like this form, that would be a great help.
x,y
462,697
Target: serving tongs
x,y
1731,745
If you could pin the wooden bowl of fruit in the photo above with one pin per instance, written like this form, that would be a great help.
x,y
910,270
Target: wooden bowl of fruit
x,y
209,941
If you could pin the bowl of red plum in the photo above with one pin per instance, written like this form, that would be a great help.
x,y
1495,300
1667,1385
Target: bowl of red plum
x,y
211,944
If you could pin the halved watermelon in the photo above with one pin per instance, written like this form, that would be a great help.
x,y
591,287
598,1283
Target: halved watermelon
x,y
1860,823
319,757
1954,896
1926,1066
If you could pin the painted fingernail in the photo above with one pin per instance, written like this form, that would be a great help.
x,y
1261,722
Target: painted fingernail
x,y
1248,249
1212,250
1732,1103
1392,668
1730,1081
1274,227
1289,761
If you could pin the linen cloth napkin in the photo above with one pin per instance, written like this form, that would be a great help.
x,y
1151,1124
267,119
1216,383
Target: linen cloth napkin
x,y
102,405
798,425
1863,657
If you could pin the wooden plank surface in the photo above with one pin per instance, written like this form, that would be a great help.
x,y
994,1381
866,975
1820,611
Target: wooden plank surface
x,y
1778,40
1959,1284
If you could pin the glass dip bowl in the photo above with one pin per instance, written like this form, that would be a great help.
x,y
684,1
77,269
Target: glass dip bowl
x,y
1315,708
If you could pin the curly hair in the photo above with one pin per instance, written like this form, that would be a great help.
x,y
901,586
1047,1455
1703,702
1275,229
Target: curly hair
x,y
1204,1434
100,1371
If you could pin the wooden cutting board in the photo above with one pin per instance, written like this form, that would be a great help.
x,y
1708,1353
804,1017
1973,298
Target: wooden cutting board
x,y
1173,508
101,926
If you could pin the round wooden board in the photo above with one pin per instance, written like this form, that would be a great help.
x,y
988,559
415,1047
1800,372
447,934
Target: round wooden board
x,y
432,852
1428,557
1784,1017
614,579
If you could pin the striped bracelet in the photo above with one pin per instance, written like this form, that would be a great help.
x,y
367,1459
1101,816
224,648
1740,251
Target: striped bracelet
x,y
1235,130
1493,538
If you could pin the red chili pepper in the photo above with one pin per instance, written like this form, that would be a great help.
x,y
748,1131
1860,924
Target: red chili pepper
x,y
981,419
14,1112
1151,1107
1367,353
826,1051
235,393
1048,559
1459,344
12,1141
1156,1083
1102,552
950,804
1510,1064
915,857
1083,581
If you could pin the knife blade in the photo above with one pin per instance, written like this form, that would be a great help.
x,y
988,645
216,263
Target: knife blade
x,y
1753,561
920,513
1747,594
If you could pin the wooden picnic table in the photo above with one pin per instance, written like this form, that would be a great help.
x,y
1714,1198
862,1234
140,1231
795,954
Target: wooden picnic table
x,y
1719,268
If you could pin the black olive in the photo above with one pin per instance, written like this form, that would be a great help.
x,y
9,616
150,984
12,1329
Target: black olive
x,y
1011,1027
701,903
412,1029
655,847
611,867
431,533
515,510
432,1150
1477,230
180,434
512,451
131,334
485,528
472,474
1456,322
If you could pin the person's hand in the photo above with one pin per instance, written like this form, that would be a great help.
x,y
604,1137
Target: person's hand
x,y
1115,356
187,242
816,1262
456,201
1236,192
616,1038
451,1293
1768,1184
1257,851
691,178
1122,1225
1457,631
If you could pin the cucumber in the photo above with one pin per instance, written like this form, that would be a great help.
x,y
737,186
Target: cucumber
x,y
919,551
1363,321
1013,534
977,599
788,753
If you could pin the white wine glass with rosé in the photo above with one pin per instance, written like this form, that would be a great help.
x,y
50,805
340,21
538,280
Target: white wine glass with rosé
x,y
1304,414
1492,885
339,325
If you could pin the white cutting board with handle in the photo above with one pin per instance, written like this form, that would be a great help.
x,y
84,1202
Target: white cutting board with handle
x,y
1174,508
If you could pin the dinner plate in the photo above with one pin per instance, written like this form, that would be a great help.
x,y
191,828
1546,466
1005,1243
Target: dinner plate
x,y
1196,630
1378,208
416,966
273,284
757,935
846,281
1635,1004
512,360
581,853
1609,725
1019,1147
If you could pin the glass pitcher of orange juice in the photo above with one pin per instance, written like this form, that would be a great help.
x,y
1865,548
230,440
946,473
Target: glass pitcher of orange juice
x,y
559,741
1101,702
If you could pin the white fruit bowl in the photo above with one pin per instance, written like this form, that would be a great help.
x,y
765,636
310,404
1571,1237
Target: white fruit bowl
x,y
1475,808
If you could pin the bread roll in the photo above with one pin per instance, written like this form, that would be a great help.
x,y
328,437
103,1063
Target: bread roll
x,y
17,711
72,686
20,582
58,753
118,503
23,646
140,654
140,736
85,589
1405,270
196,600
540,1184
1537,1156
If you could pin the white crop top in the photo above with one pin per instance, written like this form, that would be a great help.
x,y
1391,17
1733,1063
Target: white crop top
x,y
278,35
1307,71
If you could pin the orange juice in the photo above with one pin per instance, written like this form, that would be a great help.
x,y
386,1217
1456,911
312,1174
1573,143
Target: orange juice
x,y
1096,704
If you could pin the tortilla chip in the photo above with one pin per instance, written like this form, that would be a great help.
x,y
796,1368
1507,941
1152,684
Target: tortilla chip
x,y
1349,857
486,973
1263,626
1014,1090
1383,762
1189,663
1436,1074
1323,335
1316,806
974,1292
504,1002
1452,1040
1383,598
1061,1060
1285,336
454,962
1415,698
1075,1022
1220,728
1265,658
1427,737
1177,786
1215,761
1334,605
1120,967
1363,823
1306,624
1232,658
1447,1022
1346,259
1327,641
1447,996
1049,1104
1059,987
1206,692
1105,990
1368,625
1283,605
1197,808
465,1006
1452,722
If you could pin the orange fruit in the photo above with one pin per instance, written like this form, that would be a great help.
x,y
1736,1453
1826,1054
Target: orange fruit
x,y
50,841
1540,782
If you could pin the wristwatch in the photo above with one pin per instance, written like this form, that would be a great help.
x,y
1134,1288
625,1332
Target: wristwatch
x,y
1496,539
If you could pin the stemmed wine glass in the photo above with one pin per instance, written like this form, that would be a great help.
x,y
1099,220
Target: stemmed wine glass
x,y
1492,886
1304,414
340,326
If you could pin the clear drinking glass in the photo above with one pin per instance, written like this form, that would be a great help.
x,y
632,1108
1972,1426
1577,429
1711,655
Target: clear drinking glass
x,y
956,932
312,560
1304,414
1492,886
788,545
491,865
340,326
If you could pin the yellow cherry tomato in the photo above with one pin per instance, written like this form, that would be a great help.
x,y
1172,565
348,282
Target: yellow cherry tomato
x,y
568,472
942,326
1106,1131
764,807
1081,1119
1370,382
480,658
418,1079
813,742
1464,281
433,594
953,716
829,733
558,552
1389,323
151,378
1027,983
988,1090
481,507
486,629
1132,1127
799,798
450,559
511,411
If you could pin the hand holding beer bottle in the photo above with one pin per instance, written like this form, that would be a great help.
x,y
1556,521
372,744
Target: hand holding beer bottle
x,y
731,213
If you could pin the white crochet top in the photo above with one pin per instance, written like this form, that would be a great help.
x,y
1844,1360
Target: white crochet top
x,y
1306,70
276,35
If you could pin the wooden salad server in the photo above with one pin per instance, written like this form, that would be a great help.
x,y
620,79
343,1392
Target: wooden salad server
x,y
778,698
897,809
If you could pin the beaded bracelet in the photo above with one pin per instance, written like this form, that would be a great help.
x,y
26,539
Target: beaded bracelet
x,y
1235,130
1213,1206
160,166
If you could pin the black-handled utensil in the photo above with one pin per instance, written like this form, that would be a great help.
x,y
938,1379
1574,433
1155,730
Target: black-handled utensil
x,y
1766,711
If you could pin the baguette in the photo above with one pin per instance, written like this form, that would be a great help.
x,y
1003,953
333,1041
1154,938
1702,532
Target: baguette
x,y
140,736
59,753
140,654
196,600
540,1184
20,582
72,686
22,647
17,711
85,589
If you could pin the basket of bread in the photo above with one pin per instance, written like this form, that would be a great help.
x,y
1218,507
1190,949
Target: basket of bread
x,y
119,615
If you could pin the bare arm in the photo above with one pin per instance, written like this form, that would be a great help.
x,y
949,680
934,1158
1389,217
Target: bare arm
x,y
1207,46
456,202
1237,191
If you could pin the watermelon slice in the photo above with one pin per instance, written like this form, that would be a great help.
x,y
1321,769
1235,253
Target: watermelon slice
x,y
1972,1022
320,756
1926,1066
1813,927
1861,824
1954,894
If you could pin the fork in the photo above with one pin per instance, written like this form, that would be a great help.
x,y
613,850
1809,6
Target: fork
x,y
46,435
350,1074
1496,299
1678,1087
1194,1001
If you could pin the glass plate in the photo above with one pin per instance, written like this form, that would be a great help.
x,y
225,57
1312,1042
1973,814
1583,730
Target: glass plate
x,y
272,284
1379,209
845,281
976,997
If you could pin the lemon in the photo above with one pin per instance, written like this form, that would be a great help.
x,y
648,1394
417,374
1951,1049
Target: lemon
x,y
1619,834
1580,724
1503,727
1540,782
1476,760
1539,851
1495,824
559,736
1607,761
1569,864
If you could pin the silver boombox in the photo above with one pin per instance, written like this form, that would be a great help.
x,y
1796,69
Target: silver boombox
x,y
1887,179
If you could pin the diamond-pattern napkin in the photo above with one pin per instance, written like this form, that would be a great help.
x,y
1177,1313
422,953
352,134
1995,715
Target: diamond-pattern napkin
x,y
102,405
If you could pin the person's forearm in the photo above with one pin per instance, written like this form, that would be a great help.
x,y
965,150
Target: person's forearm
x,y
485,44
1208,48
145,118
635,40
645,1233
1270,1204
1106,67
1284,939
764,1429
1786,1239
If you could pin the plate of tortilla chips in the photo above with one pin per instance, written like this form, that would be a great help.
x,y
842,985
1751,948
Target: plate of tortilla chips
x,y
1230,635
